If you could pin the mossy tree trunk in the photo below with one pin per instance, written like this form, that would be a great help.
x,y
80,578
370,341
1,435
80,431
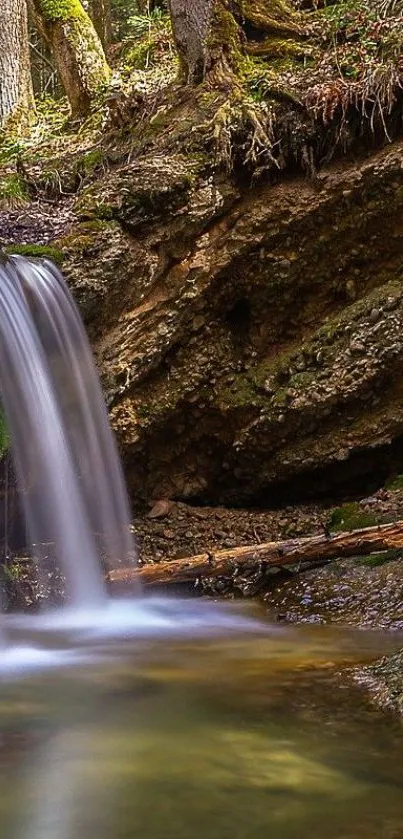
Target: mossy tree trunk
x,y
16,97
211,33
76,47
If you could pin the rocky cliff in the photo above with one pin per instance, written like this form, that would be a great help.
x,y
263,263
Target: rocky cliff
x,y
248,340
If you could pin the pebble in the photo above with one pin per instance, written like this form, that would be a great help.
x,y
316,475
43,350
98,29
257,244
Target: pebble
x,y
357,347
374,316
160,509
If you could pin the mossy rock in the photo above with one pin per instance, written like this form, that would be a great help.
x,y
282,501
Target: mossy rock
x,y
395,484
37,252
351,517
140,192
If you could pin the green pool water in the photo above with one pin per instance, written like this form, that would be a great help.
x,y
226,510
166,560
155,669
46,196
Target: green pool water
x,y
226,738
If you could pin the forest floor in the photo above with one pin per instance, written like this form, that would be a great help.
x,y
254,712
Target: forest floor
x,y
37,223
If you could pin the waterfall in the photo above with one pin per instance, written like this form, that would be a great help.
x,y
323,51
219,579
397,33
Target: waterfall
x,y
67,465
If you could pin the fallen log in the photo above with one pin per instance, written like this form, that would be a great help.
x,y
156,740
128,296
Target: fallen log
x,y
316,549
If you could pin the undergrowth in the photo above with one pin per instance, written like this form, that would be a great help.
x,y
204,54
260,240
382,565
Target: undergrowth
x,y
338,84
13,192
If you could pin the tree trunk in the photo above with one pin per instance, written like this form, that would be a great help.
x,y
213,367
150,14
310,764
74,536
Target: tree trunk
x,y
191,20
314,549
76,48
217,32
100,11
16,97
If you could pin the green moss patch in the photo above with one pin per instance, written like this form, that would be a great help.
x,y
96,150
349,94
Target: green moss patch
x,y
350,517
395,484
54,10
376,560
38,252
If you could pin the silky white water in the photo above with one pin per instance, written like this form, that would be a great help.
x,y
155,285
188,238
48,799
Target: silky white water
x,y
69,476
67,465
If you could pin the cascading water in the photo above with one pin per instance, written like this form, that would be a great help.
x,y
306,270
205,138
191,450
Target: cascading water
x,y
67,464
70,478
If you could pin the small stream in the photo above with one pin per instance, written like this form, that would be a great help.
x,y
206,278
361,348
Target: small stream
x,y
224,734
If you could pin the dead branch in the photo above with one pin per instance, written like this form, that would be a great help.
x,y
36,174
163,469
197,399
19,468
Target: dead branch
x,y
316,549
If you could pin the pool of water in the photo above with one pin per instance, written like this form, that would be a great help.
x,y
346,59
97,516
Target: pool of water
x,y
229,729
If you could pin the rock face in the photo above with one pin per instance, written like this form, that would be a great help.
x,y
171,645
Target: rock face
x,y
247,339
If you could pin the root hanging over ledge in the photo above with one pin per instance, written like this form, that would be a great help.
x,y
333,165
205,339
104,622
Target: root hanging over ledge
x,y
317,550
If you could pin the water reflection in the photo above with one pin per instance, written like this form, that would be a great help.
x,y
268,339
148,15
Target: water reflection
x,y
221,737
53,786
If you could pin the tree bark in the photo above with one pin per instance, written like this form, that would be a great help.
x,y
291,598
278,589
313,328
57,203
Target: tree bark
x,y
315,549
76,48
216,32
100,11
191,20
16,96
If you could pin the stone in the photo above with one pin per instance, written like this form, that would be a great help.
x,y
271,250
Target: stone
x,y
357,347
160,509
374,316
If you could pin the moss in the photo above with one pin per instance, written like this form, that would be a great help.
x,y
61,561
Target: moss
x,y
350,517
280,398
12,571
279,22
275,47
225,31
104,211
90,162
150,41
37,251
395,484
85,72
54,10
242,394
95,226
13,192
302,380
376,560
138,57
84,236
4,435
266,15
146,200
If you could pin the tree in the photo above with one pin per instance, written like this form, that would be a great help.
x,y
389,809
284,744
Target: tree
x,y
16,97
100,11
211,33
191,20
76,48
